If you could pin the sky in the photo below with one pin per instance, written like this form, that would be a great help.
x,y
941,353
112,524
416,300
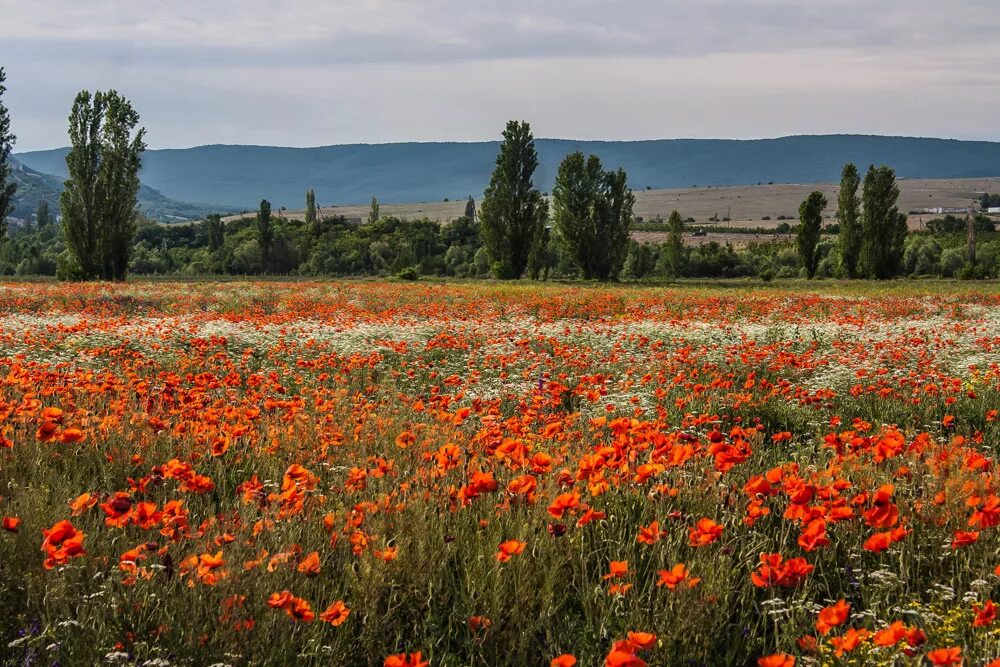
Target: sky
x,y
321,72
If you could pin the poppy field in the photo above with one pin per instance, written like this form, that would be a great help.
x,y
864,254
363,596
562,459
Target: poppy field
x,y
379,473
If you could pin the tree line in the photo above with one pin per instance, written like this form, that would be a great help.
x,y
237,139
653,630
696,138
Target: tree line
x,y
584,230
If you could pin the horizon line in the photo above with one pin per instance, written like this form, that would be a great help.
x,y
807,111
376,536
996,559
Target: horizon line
x,y
563,139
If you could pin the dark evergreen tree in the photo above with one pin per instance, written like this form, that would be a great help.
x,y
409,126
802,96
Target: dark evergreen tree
x,y
7,140
810,227
849,219
98,203
513,211
42,215
470,209
310,208
265,232
216,232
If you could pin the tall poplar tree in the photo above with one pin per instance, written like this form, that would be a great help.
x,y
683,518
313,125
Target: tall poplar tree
x,y
373,211
216,232
884,227
7,140
99,201
849,219
675,245
513,212
810,227
265,232
42,215
310,207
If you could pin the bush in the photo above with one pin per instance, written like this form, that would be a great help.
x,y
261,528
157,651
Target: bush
x,y
408,273
952,261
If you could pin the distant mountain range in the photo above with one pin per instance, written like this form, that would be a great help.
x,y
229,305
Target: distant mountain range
x,y
33,186
238,177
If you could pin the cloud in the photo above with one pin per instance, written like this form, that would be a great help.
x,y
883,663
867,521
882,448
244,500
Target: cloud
x,y
309,72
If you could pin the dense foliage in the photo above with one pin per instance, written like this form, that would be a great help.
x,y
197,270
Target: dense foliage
x,y
591,215
336,247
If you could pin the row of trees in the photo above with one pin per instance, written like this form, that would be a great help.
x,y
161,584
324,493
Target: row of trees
x,y
585,232
592,210
390,246
872,230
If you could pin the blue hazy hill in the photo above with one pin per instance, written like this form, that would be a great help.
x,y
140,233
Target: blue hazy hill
x,y
239,176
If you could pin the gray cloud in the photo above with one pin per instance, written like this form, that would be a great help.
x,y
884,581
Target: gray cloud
x,y
310,72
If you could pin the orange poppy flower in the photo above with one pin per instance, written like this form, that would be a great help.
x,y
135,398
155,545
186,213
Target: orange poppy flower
x,y
509,549
675,576
60,543
945,657
617,569
985,614
309,565
832,616
414,659
650,534
704,533
335,614
964,538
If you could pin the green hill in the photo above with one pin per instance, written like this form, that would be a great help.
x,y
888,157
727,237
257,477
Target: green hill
x,y
413,172
33,186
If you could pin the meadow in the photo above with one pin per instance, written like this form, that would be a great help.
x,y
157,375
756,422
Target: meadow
x,y
354,473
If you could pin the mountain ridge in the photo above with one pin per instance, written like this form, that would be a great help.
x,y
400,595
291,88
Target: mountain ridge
x,y
34,186
240,175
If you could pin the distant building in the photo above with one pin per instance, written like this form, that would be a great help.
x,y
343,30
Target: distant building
x,y
993,209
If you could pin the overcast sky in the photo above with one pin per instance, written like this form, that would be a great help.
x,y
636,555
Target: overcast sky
x,y
318,72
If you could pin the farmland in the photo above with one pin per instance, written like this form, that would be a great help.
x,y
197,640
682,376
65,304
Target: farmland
x,y
745,205
462,473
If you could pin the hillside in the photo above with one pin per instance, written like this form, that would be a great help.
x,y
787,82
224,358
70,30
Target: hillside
x,y
745,205
240,176
34,186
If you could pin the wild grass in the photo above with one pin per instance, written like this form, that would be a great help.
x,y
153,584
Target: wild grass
x,y
328,376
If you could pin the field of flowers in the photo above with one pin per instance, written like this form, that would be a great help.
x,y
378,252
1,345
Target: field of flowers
x,y
354,473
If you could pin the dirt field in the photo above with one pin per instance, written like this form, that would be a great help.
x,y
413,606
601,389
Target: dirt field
x,y
746,206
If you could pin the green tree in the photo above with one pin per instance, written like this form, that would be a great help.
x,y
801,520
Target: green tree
x,y
675,245
849,219
42,215
310,208
470,209
265,232
883,226
541,258
574,207
513,212
810,226
216,232
99,200
373,211
6,144
592,212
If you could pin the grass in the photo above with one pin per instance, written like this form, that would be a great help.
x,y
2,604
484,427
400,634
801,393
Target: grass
x,y
435,421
